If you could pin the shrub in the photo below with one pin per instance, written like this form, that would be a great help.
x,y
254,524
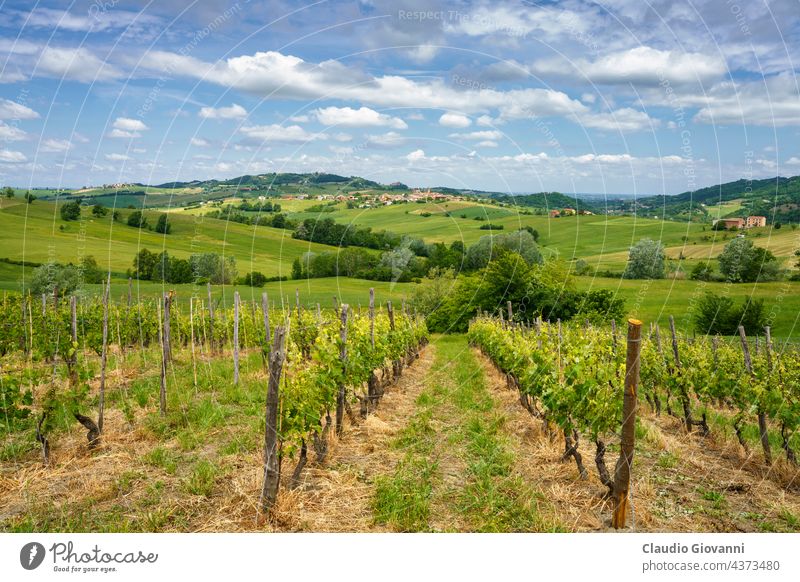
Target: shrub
x,y
646,260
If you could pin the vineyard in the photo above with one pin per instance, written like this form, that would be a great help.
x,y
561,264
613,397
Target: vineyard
x,y
63,358
186,414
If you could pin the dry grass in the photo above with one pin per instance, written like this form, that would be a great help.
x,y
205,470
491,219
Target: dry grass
x,y
681,482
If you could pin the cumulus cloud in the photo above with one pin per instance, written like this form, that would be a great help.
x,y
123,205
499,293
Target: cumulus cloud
x,y
362,117
279,134
416,156
274,75
12,157
13,110
11,133
641,65
489,134
75,64
127,128
455,120
199,142
233,112
117,157
55,145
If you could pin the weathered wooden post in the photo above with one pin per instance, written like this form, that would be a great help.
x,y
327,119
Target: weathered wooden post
x,y
340,397
167,327
130,292
622,471
372,315
210,316
272,461
162,341
510,313
236,338
191,340
762,416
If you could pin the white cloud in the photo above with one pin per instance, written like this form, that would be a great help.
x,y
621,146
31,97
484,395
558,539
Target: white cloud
x,y
117,157
387,140
487,144
55,145
12,157
90,21
75,64
623,120
416,156
641,65
772,101
300,119
13,110
127,128
128,124
489,134
233,112
455,120
199,142
280,134
277,76
793,161
11,133
362,117
119,133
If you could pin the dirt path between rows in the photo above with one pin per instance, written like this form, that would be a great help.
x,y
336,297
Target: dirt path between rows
x,y
337,496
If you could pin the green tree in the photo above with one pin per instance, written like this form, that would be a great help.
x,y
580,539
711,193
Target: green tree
x,y
29,198
297,269
702,271
163,226
743,262
137,220
143,265
99,210
521,242
51,276
70,210
717,314
8,192
91,271
645,260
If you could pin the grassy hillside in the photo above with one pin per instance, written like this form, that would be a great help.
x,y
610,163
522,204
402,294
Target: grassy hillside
x,y
36,233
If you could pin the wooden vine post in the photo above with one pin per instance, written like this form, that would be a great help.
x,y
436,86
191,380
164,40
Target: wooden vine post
x,y
191,339
340,397
167,326
272,461
622,471
236,338
210,316
687,409
162,336
510,313
101,405
762,417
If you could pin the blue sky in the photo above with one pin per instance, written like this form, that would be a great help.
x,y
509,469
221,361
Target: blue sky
x,y
617,96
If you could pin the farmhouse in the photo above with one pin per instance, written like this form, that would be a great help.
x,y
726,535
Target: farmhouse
x,y
755,221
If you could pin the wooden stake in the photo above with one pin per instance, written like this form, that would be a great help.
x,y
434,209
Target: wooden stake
x,y
622,472
340,397
372,315
272,461
762,417
236,338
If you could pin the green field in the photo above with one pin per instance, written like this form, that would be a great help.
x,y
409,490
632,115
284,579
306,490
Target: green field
x,y
36,233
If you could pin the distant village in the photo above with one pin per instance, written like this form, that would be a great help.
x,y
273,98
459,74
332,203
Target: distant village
x,y
372,199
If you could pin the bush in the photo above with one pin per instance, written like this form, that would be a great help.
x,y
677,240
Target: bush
x,y
717,314
99,210
702,271
254,279
70,210
482,252
490,226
